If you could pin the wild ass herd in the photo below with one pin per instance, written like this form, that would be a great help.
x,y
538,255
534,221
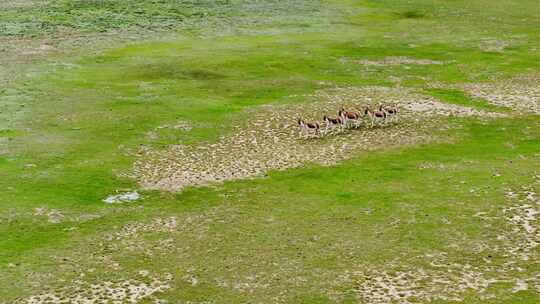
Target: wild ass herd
x,y
350,119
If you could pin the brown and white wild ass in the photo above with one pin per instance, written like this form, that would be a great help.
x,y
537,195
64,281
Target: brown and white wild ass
x,y
346,116
375,115
333,122
307,127
391,111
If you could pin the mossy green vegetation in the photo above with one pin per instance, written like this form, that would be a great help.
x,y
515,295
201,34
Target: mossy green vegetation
x,y
69,134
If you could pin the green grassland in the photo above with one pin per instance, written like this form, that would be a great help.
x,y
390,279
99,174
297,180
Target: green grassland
x,y
69,130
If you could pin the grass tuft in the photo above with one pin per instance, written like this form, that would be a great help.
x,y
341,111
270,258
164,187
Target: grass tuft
x,y
412,14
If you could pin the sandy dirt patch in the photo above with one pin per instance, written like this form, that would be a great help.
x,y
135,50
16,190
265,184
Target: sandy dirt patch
x,y
449,280
21,3
520,93
422,278
395,61
394,286
131,238
127,291
523,218
495,45
270,139
50,215
53,215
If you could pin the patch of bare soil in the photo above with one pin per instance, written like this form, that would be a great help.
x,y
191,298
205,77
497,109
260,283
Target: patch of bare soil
x,y
523,218
448,280
416,286
127,291
270,139
179,125
21,57
130,238
495,45
520,93
417,279
53,216
397,60
21,3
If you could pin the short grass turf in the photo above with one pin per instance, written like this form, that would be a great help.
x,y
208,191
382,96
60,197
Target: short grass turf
x,y
67,132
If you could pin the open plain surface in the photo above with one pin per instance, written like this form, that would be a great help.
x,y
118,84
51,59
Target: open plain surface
x,y
150,152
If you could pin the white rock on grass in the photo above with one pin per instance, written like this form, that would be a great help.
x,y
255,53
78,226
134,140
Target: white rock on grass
x,y
123,198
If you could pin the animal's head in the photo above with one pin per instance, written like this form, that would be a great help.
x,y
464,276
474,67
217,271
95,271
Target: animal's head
x,y
325,118
300,121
